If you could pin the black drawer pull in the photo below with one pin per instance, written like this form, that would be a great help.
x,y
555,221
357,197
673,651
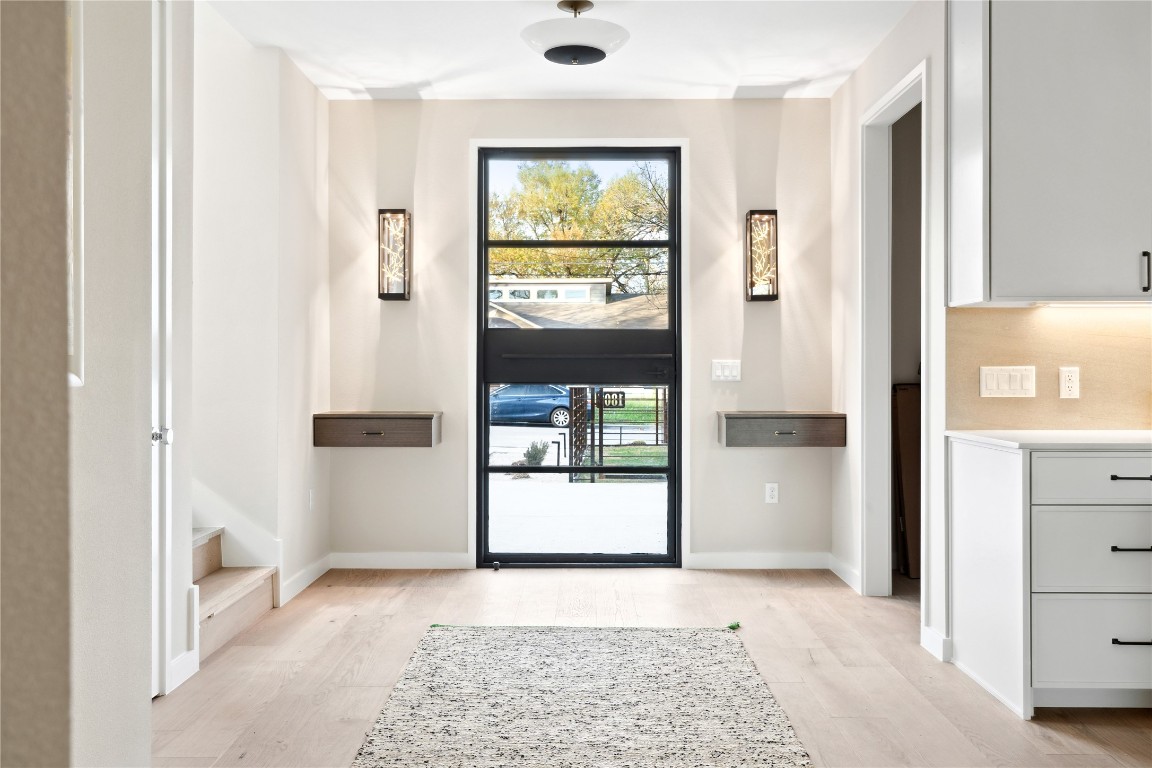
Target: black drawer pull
x,y
1117,641
373,434
778,433
1138,477
1147,255
1131,549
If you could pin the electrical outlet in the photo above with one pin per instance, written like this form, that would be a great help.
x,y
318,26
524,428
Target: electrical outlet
x,y
1069,381
771,493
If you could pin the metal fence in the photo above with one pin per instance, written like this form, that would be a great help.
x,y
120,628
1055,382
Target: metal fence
x,y
617,427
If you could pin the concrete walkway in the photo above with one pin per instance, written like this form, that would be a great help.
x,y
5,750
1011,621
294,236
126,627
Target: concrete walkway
x,y
547,514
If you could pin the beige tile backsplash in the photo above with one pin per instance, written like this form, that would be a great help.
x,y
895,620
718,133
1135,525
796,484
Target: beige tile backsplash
x,y
1111,345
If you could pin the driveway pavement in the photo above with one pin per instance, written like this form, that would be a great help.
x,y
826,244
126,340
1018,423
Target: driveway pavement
x,y
546,513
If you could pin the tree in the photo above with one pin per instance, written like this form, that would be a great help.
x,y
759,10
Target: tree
x,y
558,200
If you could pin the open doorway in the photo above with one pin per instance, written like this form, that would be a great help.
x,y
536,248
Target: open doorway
x,y
893,319
905,344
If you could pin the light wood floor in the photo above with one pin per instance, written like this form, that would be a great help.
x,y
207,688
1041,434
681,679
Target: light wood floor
x,y
303,686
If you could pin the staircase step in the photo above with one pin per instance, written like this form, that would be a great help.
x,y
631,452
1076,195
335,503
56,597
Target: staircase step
x,y
204,535
231,600
205,551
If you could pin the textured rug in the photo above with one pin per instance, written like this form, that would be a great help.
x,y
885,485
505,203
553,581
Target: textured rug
x,y
575,697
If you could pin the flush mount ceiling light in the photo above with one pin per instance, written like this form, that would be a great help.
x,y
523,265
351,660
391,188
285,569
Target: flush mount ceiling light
x,y
575,40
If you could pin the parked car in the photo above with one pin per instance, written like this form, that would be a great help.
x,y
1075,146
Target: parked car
x,y
530,403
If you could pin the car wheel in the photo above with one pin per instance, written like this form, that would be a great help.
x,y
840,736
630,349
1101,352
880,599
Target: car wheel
x,y
560,417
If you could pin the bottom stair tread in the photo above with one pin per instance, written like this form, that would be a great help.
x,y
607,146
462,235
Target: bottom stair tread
x,y
225,586
231,601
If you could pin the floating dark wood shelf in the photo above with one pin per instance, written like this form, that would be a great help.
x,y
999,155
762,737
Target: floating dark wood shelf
x,y
781,429
376,429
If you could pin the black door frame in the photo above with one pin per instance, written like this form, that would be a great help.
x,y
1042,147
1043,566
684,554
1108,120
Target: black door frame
x,y
601,356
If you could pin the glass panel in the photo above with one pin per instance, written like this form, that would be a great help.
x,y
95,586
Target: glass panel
x,y
601,288
534,513
585,426
577,199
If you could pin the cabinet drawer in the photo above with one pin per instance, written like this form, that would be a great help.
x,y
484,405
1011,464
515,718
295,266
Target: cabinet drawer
x,y
376,429
1086,478
773,429
1072,549
1072,641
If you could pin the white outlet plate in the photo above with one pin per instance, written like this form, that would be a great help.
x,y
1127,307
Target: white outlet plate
x,y
725,370
1008,381
1069,381
771,493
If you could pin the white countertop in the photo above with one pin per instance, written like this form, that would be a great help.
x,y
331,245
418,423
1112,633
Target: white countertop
x,y
1059,439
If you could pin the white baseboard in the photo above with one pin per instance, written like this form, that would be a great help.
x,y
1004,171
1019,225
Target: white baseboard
x,y
848,574
290,587
757,560
936,644
181,669
1127,698
402,560
1016,706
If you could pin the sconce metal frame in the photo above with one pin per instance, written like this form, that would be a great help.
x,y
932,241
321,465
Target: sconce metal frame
x,y
761,272
395,266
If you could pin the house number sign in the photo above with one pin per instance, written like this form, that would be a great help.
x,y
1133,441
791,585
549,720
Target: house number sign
x,y
611,399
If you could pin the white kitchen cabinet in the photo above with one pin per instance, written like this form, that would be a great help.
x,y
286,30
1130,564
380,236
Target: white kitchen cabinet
x,y
1050,151
1051,542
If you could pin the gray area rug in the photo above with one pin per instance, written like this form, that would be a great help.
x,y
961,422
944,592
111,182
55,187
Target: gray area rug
x,y
575,697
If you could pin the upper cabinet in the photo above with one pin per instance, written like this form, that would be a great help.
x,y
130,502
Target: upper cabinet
x,y
1050,151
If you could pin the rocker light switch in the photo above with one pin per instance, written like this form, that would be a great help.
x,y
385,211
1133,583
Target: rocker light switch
x,y
725,370
1008,381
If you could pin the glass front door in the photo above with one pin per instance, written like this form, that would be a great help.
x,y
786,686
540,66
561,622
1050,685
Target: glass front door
x,y
579,357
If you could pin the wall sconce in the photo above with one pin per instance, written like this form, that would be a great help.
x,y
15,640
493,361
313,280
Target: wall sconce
x,y
761,280
395,254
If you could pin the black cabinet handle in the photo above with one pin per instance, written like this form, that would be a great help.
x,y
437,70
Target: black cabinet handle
x,y
1131,549
1138,477
1147,271
1117,641
373,434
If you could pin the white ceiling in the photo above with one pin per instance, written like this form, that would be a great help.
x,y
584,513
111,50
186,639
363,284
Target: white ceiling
x,y
471,49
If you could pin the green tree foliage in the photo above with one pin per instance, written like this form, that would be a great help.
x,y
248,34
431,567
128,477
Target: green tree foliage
x,y
557,200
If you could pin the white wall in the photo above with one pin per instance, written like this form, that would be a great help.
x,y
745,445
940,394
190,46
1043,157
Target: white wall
x,y
919,37
235,279
111,413
260,338
412,507
303,377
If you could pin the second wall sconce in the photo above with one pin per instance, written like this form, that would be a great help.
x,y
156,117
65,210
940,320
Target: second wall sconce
x,y
395,254
761,279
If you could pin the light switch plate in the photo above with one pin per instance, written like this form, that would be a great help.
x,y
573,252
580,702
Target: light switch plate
x,y
725,370
1008,381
